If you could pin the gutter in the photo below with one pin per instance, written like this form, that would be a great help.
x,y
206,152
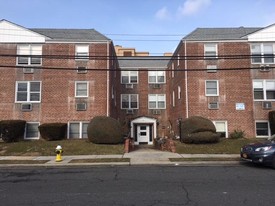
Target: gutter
x,y
186,81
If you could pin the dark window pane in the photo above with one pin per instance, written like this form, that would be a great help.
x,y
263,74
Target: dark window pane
x,y
23,60
35,86
270,94
262,128
35,97
258,94
22,96
22,87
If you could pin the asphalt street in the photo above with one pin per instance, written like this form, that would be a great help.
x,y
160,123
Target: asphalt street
x,y
138,185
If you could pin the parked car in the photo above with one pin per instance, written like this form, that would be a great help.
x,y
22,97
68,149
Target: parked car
x,y
261,152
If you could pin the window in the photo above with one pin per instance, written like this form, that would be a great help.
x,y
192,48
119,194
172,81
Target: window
x,y
81,89
264,89
32,131
78,130
210,51
211,68
29,54
173,99
262,53
129,77
157,101
28,91
129,101
82,52
179,92
156,77
221,127
173,70
262,129
212,88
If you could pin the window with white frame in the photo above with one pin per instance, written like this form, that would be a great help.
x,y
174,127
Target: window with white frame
x,y
31,131
212,88
221,127
262,129
29,55
81,89
262,53
129,77
82,52
179,92
173,99
173,70
129,101
78,130
28,91
210,50
156,77
157,101
264,89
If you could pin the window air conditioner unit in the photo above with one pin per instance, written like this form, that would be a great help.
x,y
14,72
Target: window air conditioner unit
x,y
81,70
129,111
267,105
26,107
27,70
81,107
156,111
129,86
156,86
264,68
213,105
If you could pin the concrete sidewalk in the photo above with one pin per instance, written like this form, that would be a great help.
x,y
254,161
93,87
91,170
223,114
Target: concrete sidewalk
x,y
139,157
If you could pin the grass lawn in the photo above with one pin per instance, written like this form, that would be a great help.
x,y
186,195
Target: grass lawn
x,y
225,146
47,148
83,147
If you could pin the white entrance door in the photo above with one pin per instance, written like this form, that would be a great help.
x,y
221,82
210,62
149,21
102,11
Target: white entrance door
x,y
143,133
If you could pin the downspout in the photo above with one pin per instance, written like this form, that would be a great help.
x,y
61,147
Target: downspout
x,y
108,80
186,81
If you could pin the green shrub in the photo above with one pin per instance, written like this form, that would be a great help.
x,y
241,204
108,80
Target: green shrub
x,y
271,117
53,131
237,134
196,130
12,130
202,137
105,130
197,124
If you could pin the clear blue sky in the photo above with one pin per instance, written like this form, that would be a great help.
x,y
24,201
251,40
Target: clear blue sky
x,y
154,17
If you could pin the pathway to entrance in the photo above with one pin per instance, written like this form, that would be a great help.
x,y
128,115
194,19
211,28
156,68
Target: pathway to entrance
x,y
148,155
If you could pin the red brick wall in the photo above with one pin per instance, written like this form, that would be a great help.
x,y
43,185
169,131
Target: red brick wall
x,y
58,101
143,88
234,87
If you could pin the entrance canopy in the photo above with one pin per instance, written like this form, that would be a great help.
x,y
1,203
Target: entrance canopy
x,y
144,130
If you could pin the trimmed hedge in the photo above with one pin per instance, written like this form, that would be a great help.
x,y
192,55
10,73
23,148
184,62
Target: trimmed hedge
x,y
53,131
105,130
12,130
198,130
202,137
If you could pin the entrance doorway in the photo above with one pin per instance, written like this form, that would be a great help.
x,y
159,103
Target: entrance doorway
x,y
144,130
143,134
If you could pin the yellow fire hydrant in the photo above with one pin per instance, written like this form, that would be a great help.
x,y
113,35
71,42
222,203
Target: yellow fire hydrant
x,y
58,151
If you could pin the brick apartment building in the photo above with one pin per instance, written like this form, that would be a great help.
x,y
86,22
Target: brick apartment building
x,y
222,81
73,75
67,78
